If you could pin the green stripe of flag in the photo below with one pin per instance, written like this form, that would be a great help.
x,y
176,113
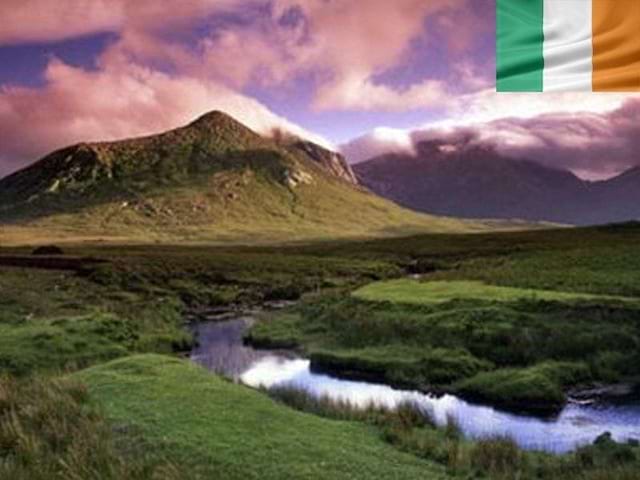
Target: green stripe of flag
x,y
519,40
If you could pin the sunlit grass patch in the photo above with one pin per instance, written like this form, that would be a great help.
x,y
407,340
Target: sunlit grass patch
x,y
436,292
237,431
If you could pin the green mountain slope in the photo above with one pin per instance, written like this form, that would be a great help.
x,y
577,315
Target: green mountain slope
x,y
213,179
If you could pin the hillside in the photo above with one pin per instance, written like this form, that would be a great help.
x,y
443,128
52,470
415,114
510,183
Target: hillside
x,y
618,197
214,179
478,182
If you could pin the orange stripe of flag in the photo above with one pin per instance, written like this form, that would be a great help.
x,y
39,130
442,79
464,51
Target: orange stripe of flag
x,y
616,45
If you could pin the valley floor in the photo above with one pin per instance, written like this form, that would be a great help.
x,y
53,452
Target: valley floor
x,y
512,318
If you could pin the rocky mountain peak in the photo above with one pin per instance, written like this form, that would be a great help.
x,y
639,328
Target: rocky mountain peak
x,y
331,161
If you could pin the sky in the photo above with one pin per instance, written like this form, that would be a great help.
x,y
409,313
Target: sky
x,y
364,77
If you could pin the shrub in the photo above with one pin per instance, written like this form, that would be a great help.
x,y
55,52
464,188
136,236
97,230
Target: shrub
x,y
48,250
525,388
406,415
285,292
410,415
496,456
50,431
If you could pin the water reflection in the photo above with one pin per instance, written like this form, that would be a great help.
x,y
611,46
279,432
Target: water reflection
x,y
221,350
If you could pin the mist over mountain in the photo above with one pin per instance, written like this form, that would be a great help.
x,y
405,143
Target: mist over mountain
x,y
214,178
476,181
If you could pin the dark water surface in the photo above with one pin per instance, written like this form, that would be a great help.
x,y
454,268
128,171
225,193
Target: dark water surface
x,y
222,351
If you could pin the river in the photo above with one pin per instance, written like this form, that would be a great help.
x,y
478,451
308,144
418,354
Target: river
x,y
220,348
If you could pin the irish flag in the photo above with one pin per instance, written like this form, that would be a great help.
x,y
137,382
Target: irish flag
x,y
568,45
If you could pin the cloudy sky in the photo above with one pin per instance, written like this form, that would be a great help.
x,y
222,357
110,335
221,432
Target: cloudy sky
x,y
365,76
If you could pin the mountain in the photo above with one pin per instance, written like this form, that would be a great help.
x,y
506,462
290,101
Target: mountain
x,y
617,198
214,179
478,182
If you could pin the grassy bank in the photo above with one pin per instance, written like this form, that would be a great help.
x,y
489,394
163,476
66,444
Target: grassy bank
x,y
230,431
51,430
520,353
412,429
157,417
511,319
137,298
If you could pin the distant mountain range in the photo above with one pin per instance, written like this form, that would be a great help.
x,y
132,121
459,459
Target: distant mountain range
x,y
214,179
478,182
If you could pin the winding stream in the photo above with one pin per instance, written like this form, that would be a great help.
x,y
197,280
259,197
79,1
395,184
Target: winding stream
x,y
221,350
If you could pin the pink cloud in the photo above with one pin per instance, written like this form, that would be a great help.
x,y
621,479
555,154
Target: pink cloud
x,y
44,20
343,44
472,78
486,105
355,44
594,145
119,101
591,144
36,20
360,93
381,140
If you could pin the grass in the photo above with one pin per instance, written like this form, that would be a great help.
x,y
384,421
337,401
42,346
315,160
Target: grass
x,y
62,343
512,350
508,344
194,214
136,301
473,328
50,430
601,260
230,431
411,429
56,320
234,432
536,387
399,365
202,183
437,292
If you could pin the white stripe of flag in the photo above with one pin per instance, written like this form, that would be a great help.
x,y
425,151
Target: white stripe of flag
x,y
567,46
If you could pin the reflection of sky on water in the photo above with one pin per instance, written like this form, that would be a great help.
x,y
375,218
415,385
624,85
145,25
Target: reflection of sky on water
x,y
221,347
576,424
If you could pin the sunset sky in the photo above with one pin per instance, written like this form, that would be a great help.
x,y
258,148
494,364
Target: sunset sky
x,y
365,77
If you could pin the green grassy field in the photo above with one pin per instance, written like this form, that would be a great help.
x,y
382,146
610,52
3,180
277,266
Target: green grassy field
x,y
157,417
438,292
233,432
53,320
487,350
510,318
505,312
